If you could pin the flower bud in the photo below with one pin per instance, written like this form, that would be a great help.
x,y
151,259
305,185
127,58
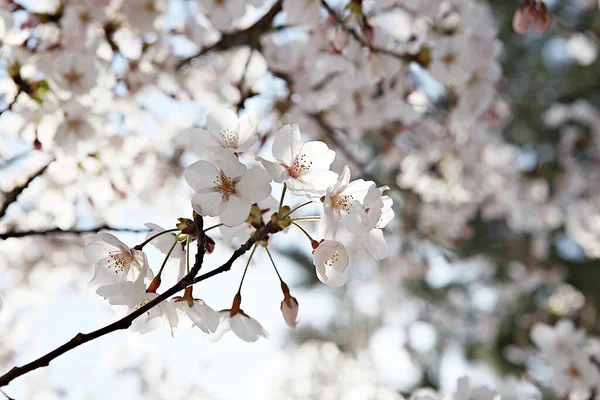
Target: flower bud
x,y
522,19
542,20
289,309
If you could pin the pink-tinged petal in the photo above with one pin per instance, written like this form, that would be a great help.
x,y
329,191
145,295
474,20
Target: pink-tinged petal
x,y
236,212
223,124
522,20
287,144
208,203
317,154
277,171
254,185
289,309
201,175
542,23
248,136
376,244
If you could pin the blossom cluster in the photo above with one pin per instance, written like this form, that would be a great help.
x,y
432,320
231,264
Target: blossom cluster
x,y
226,188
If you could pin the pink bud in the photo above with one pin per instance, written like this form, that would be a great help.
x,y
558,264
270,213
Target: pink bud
x,y
543,20
289,309
522,19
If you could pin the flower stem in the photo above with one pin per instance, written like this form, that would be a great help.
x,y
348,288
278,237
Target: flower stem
x,y
282,197
296,208
151,238
212,227
273,262
303,230
307,218
246,269
166,258
187,255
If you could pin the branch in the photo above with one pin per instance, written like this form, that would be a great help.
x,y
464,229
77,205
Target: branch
x,y
58,231
260,234
245,37
12,196
363,41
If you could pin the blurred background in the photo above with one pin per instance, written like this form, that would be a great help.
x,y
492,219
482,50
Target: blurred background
x,y
496,182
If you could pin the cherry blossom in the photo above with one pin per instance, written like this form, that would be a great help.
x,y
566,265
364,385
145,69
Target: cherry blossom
x,y
303,167
114,262
244,326
226,188
343,203
200,313
331,261
223,128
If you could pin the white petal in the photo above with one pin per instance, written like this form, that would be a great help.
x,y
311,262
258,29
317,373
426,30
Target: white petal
x,y
277,171
248,136
317,154
376,244
246,328
199,141
223,124
236,212
334,278
208,203
201,175
254,185
287,144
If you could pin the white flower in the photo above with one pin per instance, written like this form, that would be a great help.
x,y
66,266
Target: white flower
x,y
449,60
78,131
74,72
343,203
113,260
576,378
142,14
379,213
165,241
200,313
133,295
331,260
224,129
557,343
226,188
302,12
222,13
464,391
303,167
245,327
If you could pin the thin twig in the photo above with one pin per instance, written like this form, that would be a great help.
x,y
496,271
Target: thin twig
x,y
260,234
13,195
58,231
245,37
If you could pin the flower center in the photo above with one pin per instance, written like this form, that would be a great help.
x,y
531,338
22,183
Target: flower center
x,y
73,78
229,137
333,259
120,260
341,202
225,185
299,166
142,303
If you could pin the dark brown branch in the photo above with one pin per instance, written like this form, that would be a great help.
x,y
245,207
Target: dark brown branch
x,y
245,37
123,323
260,234
13,195
58,231
362,40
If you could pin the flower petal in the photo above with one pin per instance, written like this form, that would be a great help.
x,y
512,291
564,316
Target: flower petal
x,y
287,144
